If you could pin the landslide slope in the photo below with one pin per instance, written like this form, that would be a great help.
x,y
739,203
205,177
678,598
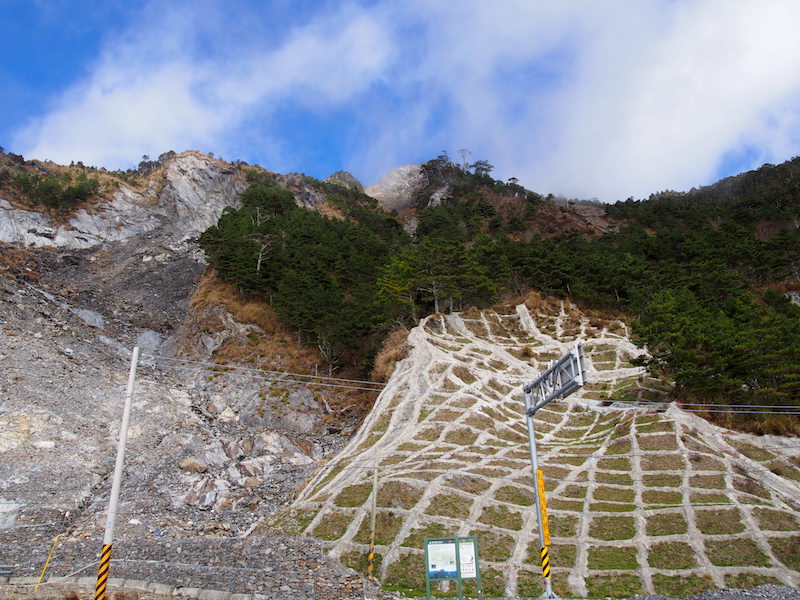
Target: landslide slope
x,y
650,499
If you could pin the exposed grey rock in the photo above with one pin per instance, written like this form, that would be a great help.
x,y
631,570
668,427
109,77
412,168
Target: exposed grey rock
x,y
346,179
190,198
398,187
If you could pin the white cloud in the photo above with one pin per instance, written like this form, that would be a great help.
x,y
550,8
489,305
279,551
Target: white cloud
x,y
604,99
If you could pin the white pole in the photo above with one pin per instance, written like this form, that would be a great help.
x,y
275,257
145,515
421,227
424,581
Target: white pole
x,y
113,502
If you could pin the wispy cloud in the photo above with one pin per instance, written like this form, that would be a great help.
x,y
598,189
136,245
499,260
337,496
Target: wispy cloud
x,y
610,99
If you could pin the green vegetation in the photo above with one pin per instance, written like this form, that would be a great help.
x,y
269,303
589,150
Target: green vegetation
x,y
716,522
613,586
666,524
706,286
732,553
602,558
680,587
612,528
671,555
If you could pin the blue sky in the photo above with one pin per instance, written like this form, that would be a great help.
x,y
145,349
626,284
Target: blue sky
x,y
585,99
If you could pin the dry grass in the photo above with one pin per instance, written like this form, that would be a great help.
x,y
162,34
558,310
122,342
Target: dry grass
x,y
395,348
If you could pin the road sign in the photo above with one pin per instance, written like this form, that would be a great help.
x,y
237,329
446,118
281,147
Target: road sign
x,y
561,379
453,558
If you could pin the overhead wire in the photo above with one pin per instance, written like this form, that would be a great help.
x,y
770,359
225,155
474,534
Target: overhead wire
x,y
280,376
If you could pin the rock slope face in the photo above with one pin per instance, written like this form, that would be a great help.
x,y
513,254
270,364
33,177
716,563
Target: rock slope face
x,y
638,499
187,199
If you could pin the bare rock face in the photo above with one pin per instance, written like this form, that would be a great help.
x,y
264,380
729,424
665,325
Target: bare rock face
x,y
188,199
398,187
346,179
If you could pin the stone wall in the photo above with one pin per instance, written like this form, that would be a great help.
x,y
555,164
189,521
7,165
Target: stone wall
x,y
266,566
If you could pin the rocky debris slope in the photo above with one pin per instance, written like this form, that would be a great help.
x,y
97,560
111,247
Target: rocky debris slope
x,y
209,453
639,500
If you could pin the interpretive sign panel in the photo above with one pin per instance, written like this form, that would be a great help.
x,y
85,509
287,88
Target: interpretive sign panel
x,y
449,559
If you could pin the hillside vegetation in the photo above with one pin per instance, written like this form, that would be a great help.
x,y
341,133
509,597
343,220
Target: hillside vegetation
x,y
702,276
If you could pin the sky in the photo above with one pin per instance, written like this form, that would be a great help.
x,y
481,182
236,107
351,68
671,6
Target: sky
x,y
583,99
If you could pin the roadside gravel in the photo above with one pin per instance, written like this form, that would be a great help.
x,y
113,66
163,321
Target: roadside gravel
x,y
762,592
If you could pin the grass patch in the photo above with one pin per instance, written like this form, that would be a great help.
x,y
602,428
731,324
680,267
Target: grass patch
x,y
679,586
387,526
664,443
612,528
670,462
563,526
464,374
666,524
353,495
613,586
698,499
449,505
718,522
620,446
398,494
493,583
656,427
602,558
416,538
671,555
701,462
500,516
752,452
332,526
465,483
618,478
410,447
732,553
787,550
461,436
775,520
614,464
715,482
494,546
515,495
614,494
662,480
428,435
574,491
660,498
479,422
406,575
445,414
745,581
571,505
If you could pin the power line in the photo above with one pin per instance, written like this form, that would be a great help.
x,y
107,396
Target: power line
x,y
165,361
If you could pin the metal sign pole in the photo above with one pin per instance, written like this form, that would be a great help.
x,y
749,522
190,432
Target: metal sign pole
x,y
559,380
530,411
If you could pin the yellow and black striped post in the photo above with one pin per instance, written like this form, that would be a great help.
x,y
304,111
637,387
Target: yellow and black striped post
x,y
102,573
545,562
371,556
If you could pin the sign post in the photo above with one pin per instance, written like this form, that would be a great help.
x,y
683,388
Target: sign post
x,y
453,558
561,379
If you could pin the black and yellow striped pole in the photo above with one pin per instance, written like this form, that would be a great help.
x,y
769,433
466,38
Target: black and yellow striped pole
x,y
113,501
102,573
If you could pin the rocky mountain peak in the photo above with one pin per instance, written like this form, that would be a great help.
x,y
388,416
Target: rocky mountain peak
x,y
398,187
